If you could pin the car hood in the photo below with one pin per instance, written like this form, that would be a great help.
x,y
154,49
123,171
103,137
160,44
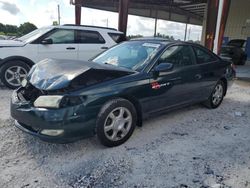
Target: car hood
x,y
55,74
11,43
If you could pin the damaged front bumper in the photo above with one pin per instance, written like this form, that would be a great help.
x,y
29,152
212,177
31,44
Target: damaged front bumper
x,y
53,125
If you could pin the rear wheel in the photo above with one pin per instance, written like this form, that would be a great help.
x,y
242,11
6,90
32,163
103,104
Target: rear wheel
x,y
13,72
217,96
116,122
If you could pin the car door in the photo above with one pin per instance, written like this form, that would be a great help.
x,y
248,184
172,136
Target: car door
x,y
178,86
90,43
209,69
59,44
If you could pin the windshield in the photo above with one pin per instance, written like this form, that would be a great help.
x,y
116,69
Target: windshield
x,y
34,34
133,55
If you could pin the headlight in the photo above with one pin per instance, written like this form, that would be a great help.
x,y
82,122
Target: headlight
x,y
57,101
52,101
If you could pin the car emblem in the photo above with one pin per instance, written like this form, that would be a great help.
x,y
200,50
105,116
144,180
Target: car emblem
x,y
156,85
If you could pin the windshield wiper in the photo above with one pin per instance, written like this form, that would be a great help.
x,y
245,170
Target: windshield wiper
x,y
109,64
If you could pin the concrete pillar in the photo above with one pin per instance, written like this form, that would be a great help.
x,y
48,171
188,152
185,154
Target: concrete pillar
x,y
123,16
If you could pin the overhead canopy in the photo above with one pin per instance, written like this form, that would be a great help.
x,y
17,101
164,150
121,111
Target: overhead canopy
x,y
185,11
212,13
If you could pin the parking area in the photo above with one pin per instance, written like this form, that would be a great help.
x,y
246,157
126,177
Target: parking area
x,y
243,72
191,147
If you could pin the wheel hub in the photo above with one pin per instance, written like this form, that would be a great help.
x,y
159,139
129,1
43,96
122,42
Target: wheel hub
x,y
14,75
218,94
118,124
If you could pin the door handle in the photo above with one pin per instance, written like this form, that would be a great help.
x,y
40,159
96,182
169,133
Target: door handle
x,y
70,48
198,76
104,48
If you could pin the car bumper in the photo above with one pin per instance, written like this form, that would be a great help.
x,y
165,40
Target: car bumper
x,y
74,122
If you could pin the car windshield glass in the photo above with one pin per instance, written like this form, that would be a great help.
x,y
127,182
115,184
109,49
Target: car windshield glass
x,y
133,55
34,34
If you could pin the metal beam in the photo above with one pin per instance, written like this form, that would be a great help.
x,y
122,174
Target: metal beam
x,y
123,16
78,11
141,8
156,18
225,12
212,13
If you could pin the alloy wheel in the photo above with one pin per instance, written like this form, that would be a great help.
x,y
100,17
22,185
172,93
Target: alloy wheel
x,y
14,75
217,95
118,124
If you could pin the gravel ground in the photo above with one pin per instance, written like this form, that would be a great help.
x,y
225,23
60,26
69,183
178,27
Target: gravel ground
x,y
191,147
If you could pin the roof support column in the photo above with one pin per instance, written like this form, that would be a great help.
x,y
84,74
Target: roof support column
x,y
204,26
212,13
221,24
123,16
78,11
156,19
217,13
185,36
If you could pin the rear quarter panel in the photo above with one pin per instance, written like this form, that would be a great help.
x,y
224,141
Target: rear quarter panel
x,y
212,73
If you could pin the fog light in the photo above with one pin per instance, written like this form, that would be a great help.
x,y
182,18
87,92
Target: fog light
x,y
52,132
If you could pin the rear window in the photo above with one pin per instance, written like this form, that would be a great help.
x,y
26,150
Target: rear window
x,y
89,37
203,56
117,37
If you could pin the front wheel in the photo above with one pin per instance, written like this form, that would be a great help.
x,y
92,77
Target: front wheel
x,y
12,73
216,96
116,122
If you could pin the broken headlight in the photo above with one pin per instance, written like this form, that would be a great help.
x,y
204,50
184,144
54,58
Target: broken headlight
x,y
57,101
50,101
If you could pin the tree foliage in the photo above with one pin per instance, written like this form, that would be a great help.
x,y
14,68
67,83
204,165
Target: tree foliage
x,y
17,31
26,27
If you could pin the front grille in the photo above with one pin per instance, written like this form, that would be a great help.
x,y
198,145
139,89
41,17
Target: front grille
x,y
29,93
32,129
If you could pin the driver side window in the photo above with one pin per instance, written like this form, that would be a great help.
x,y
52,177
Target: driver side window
x,y
63,36
179,56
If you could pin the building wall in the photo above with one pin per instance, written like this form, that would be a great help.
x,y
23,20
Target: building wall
x,y
237,27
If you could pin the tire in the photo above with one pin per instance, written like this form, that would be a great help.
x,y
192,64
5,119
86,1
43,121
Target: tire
x,y
13,72
120,124
210,103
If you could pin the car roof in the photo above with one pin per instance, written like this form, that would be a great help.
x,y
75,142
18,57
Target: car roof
x,y
88,27
164,41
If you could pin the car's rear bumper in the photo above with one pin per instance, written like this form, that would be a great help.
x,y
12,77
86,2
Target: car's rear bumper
x,y
35,120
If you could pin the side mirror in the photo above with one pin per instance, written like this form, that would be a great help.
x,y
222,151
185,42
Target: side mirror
x,y
163,67
47,41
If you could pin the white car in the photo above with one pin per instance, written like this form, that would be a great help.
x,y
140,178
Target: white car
x,y
60,42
